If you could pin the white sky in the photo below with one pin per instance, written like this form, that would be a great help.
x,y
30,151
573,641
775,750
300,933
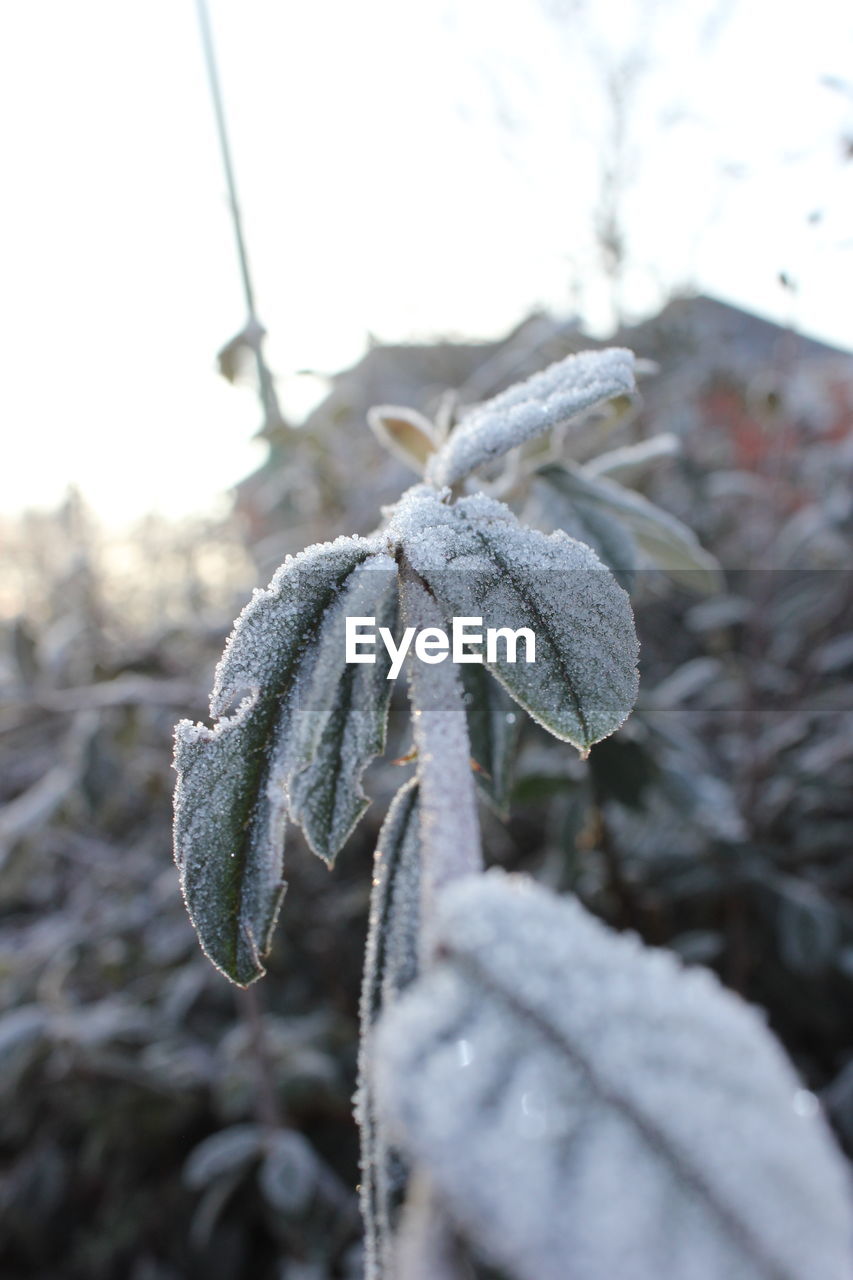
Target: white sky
x,y
407,167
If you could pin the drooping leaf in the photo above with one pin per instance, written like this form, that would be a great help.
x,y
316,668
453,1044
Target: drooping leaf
x,y
666,542
391,964
339,724
404,432
480,562
231,792
493,726
587,1107
549,399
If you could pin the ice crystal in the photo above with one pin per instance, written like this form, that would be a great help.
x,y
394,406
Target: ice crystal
x,y
587,1107
480,561
549,399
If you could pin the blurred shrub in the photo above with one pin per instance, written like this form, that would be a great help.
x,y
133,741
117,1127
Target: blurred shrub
x,y
151,1127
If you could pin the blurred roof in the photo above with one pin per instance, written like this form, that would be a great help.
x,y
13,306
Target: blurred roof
x,y
722,338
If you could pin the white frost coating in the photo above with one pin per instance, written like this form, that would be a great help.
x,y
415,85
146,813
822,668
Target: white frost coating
x,y
479,561
614,1116
548,399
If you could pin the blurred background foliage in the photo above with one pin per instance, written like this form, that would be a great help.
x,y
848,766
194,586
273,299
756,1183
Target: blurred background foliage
x,y
157,1124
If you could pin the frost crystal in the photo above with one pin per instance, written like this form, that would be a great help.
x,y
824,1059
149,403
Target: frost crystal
x,y
480,562
231,794
562,391
587,1107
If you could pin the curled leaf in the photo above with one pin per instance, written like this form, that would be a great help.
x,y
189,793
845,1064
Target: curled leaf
x,y
549,399
404,432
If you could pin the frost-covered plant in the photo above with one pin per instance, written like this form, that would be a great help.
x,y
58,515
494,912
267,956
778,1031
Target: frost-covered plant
x,y
538,1094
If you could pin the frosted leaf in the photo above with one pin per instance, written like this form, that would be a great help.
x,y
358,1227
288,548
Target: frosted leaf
x,y
547,400
340,721
615,545
230,796
391,964
404,432
480,562
587,1107
664,540
229,836
493,726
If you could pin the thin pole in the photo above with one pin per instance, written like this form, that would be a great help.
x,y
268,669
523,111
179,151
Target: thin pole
x,y
254,331
225,148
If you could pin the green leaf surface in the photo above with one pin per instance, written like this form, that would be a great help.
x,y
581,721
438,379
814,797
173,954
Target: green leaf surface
x,y
478,561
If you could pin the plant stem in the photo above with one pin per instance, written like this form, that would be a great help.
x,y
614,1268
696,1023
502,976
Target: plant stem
x,y
450,831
